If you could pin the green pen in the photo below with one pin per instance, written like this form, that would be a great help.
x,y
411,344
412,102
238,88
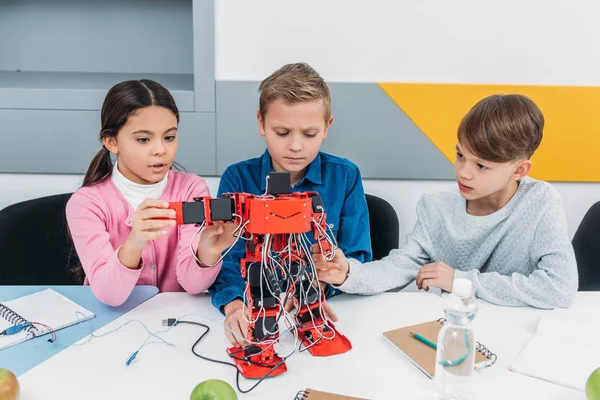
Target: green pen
x,y
422,339
448,363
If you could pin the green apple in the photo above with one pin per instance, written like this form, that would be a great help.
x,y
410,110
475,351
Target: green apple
x,y
592,387
9,385
213,389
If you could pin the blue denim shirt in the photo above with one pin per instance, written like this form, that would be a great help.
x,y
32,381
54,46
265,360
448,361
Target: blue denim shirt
x,y
339,183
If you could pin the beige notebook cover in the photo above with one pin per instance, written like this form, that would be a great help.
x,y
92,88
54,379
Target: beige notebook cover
x,y
312,394
422,355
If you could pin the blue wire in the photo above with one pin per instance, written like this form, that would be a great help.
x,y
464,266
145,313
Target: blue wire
x,y
146,342
93,336
15,329
132,356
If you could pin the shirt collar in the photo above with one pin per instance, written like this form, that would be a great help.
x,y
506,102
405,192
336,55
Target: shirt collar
x,y
313,172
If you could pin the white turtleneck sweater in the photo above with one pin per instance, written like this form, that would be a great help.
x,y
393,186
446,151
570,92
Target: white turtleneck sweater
x,y
136,193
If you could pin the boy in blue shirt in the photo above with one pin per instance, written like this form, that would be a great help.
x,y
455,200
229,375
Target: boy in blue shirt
x,y
294,117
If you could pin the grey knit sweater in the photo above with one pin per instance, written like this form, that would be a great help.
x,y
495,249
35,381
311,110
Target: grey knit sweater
x,y
520,255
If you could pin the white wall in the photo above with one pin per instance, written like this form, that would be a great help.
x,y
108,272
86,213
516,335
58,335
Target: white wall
x,y
461,41
403,195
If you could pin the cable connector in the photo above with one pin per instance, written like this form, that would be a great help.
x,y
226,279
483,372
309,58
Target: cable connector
x,y
273,282
131,358
15,329
169,321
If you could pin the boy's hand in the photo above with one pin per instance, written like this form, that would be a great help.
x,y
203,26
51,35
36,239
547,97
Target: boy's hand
x,y
326,307
144,224
334,271
329,313
234,320
214,240
437,274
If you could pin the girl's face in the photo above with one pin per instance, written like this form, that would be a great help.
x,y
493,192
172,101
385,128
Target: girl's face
x,y
146,145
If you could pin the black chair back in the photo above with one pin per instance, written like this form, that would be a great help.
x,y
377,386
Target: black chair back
x,y
384,225
35,246
586,244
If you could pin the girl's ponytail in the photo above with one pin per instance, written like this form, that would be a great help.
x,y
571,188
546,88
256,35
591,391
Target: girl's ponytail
x,y
100,167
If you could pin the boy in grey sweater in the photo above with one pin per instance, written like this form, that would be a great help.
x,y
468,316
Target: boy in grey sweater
x,y
505,232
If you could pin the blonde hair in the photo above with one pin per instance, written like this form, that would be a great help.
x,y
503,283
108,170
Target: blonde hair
x,y
294,83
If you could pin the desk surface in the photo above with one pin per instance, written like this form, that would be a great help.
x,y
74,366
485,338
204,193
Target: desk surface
x,y
373,369
24,356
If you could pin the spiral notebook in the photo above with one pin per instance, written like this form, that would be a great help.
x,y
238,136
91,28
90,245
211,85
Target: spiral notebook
x,y
312,394
47,307
422,355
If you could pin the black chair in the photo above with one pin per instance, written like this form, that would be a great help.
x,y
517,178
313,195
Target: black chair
x,y
384,225
586,243
35,246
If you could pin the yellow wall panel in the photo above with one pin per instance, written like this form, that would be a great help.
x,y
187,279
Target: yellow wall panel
x,y
570,149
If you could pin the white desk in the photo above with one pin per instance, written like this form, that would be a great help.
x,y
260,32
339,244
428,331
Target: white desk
x,y
373,369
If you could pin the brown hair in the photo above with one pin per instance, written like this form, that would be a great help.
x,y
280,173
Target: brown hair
x,y
502,128
294,83
121,101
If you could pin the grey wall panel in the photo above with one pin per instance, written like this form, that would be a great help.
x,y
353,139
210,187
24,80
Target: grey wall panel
x,y
151,36
197,143
79,90
41,141
45,141
58,58
369,129
237,128
204,55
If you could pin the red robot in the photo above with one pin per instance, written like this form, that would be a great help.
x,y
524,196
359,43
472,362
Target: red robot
x,y
278,270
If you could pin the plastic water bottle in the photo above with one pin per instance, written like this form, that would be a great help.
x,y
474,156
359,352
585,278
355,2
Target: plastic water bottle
x,y
455,357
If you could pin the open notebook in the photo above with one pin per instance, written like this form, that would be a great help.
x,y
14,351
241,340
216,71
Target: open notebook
x,y
312,394
421,354
564,349
46,307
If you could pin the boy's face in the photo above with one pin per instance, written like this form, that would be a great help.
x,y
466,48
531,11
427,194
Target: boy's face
x,y
294,133
146,145
478,178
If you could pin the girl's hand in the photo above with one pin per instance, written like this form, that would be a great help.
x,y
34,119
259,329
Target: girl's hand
x,y
145,226
214,240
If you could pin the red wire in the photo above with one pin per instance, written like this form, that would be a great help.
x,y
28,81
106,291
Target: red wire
x,y
49,329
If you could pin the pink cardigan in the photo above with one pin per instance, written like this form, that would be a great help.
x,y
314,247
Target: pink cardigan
x,y
99,219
